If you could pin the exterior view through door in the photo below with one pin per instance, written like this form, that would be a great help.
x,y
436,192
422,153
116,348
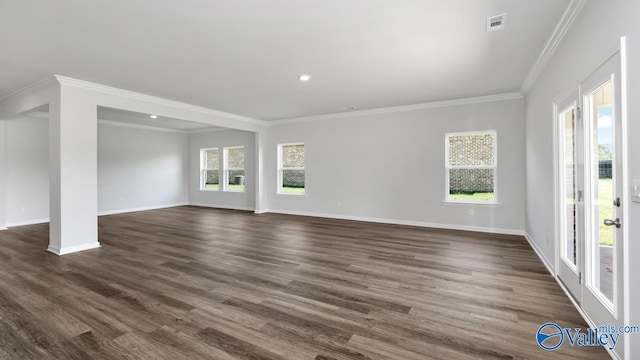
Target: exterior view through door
x,y
588,191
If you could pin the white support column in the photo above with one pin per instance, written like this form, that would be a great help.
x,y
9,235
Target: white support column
x,y
73,164
261,179
3,171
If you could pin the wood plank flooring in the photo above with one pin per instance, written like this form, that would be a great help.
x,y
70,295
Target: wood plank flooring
x,y
197,283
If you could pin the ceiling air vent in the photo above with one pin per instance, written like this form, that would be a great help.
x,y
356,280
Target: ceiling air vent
x,y
496,22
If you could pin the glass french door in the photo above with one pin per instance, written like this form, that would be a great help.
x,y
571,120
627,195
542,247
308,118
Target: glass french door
x,y
569,194
602,299
588,192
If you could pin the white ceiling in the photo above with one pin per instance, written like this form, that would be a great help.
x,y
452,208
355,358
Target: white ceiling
x,y
245,56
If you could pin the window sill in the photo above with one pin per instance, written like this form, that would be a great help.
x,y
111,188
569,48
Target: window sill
x,y
471,203
292,194
224,191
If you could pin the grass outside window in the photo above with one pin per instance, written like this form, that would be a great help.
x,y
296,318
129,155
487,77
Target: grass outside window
x,y
231,187
476,196
292,190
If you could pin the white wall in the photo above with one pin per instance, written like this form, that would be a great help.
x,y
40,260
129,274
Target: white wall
x,y
390,167
137,169
27,170
140,168
594,35
220,139
3,174
73,147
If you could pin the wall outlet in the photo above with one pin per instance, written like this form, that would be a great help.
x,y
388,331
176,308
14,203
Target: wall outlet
x,y
22,209
472,212
339,204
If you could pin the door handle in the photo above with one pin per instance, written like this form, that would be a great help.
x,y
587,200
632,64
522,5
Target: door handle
x,y
615,222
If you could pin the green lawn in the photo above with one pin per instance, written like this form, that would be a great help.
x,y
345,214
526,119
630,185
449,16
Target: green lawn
x,y
230,187
479,196
293,190
605,209
233,187
211,187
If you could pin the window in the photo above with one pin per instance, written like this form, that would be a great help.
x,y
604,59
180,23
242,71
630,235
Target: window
x,y
291,176
209,166
234,168
471,166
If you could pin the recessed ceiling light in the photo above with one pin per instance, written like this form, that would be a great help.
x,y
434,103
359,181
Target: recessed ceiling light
x,y
305,77
153,116
349,108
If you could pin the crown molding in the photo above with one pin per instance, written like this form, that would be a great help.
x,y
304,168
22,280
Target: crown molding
x,y
38,114
204,131
567,20
394,109
157,128
62,80
138,126
49,81
153,99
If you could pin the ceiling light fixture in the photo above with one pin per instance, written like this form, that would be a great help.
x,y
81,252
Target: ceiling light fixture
x,y
153,116
349,108
305,77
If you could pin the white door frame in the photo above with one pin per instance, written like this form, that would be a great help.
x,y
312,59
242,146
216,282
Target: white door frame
x,y
570,273
626,197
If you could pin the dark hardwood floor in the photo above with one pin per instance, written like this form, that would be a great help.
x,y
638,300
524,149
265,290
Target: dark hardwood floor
x,y
197,283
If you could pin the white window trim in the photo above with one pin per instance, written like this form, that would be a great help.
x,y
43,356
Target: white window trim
x,y
280,170
448,167
204,169
226,169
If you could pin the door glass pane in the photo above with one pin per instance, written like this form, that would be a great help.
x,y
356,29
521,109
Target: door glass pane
x,y
602,152
568,158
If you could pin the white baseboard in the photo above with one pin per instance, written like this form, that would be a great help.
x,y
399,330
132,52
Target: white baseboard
x,y
540,254
302,213
145,208
102,213
72,249
27,222
550,268
586,317
217,206
404,222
